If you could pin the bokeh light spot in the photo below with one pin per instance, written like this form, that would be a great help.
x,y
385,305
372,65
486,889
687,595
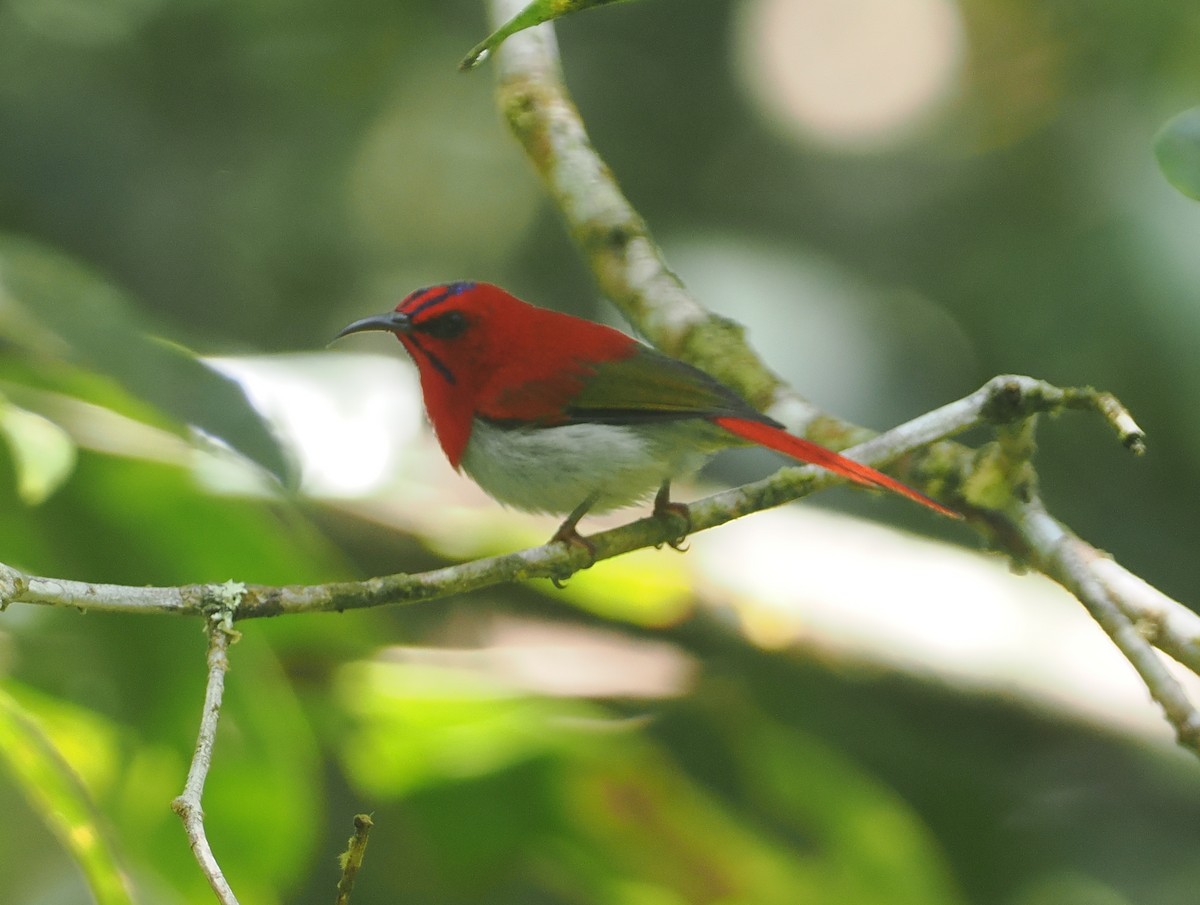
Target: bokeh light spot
x,y
849,73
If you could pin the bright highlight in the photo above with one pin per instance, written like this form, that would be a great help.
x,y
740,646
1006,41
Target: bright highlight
x,y
858,73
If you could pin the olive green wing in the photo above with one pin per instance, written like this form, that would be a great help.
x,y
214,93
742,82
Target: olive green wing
x,y
650,386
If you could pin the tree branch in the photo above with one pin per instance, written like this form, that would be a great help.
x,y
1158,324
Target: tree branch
x,y
623,256
1072,563
1011,397
996,485
221,634
352,859
553,560
1134,614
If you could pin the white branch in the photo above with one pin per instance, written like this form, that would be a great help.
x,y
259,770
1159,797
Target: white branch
x,y
1096,580
188,805
997,488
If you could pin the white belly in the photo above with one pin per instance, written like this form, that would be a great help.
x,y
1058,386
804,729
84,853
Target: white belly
x,y
554,469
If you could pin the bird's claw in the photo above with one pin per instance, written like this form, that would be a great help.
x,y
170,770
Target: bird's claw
x,y
666,510
566,534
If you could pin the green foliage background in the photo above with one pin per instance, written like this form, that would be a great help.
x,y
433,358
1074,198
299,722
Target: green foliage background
x,y
240,177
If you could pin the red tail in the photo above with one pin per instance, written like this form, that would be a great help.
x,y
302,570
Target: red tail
x,y
807,451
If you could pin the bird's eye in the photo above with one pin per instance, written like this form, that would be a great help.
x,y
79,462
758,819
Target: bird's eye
x,y
445,326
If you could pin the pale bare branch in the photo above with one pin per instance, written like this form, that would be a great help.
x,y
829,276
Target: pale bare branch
x,y
996,485
221,634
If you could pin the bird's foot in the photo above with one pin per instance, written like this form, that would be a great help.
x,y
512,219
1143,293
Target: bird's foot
x,y
567,534
666,510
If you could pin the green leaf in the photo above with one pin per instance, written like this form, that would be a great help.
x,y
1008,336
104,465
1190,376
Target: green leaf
x,y
1177,147
418,725
43,453
179,533
67,312
57,794
873,848
535,13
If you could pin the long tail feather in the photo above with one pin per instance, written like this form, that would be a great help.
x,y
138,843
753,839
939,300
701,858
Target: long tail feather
x,y
807,451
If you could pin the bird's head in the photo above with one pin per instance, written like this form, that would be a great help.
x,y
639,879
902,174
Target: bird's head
x,y
483,352
442,327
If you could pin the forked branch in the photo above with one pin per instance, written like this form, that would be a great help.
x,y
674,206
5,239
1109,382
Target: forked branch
x,y
219,627
995,486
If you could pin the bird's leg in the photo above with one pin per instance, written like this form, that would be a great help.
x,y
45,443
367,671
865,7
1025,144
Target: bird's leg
x,y
567,534
664,509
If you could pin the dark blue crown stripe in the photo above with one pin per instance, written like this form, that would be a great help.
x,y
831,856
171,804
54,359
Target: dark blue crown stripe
x,y
417,303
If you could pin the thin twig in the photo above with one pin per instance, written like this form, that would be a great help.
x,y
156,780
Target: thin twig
x,y
352,858
1071,562
1172,628
188,805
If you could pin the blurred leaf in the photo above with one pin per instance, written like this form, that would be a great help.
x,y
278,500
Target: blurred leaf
x,y
262,800
645,588
55,792
627,823
1177,147
646,833
873,846
145,686
43,453
87,740
535,13
100,330
418,725
139,522
26,379
804,824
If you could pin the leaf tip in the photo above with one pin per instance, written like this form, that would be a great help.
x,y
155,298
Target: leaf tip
x,y
477,55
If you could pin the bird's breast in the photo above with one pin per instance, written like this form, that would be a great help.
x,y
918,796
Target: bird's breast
x,y
554,469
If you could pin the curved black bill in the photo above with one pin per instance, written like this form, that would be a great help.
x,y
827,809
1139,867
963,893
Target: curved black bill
x,y
392,322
